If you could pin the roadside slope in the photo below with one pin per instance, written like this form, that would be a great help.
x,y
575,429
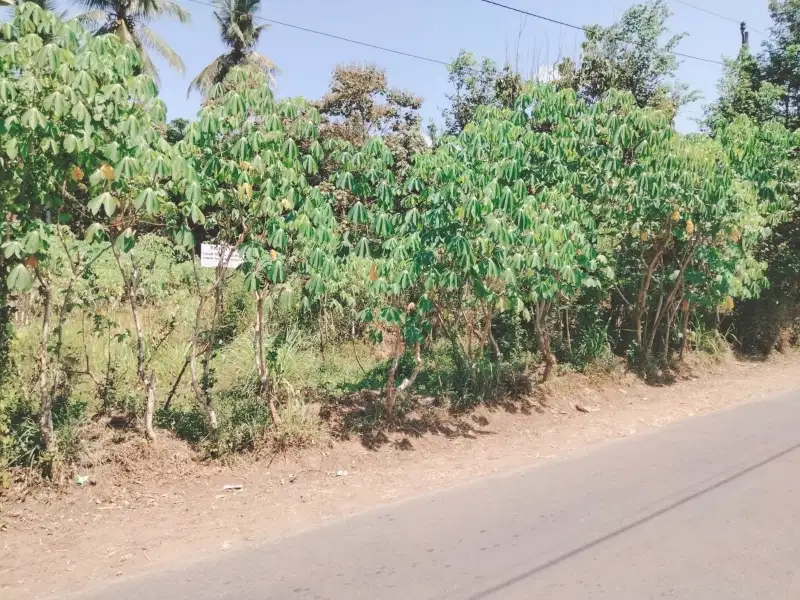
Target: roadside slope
x,y
703,509
156,520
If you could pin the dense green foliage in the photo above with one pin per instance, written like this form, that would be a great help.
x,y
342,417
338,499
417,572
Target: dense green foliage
x,y
554,222
763,87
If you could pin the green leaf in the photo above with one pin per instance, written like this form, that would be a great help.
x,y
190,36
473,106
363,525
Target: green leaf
x,y
128,167
358,213
12,248
315,286
104,200
276,271
94,232
125,241
193,193
19,279
278,239
32,242
70,143
310,165
184,237
362,248
11,148
96,177
33,119
197,215
144,196
7,90
391,316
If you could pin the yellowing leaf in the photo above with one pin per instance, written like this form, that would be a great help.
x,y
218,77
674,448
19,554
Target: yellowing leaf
x,y
689,227
373,273
676,216
107,171
77,173
272,254
643,236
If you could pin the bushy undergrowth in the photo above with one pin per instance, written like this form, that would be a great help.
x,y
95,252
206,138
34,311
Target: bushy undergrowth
x,y
556,230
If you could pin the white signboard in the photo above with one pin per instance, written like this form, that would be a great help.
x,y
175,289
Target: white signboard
x,y
211,255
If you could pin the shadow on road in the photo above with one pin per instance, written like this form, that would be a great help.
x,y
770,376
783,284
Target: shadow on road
x,y
594,543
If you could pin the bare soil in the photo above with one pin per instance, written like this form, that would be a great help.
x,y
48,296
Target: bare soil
x,y
151,507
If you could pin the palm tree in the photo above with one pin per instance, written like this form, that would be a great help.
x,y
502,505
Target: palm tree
x,y
129,20
240,33
50,5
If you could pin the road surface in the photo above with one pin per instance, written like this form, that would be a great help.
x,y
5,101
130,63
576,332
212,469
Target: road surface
x,y
707,509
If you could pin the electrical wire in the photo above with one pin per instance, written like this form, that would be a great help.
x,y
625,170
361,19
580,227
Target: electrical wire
x,y
716,14
586,29
335,37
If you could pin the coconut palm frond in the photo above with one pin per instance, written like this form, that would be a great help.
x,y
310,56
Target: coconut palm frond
x,y
128,19
239,32
164,9
206,78
265,65
152,41
171,9
92,19
120,28
109,7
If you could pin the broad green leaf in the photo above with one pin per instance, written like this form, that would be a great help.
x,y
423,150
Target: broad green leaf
x,y
32,242
19,279
358,213
197,215
33,119
11,148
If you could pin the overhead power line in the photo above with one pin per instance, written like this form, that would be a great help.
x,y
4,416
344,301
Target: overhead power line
x,y
586,29
718,15
336,37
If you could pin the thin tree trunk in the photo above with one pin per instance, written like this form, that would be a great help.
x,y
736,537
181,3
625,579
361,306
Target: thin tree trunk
x,y
469,337
550,363
566,330
656,323
150,387
495,347
407,383
6,318
487,330
131,286
641,300
670,318
676,288
261,363
390,389
687,310
177,382
45,395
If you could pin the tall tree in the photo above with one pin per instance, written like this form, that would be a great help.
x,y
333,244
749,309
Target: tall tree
x,y
744,90
130,20
477,83
765,87
240,33
360,105
50,5
781,58
629,55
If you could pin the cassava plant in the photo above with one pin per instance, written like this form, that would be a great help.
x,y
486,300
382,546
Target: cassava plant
x,y
243,170
76,131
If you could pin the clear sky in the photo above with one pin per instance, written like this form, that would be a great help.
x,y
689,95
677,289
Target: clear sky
x,y
439,29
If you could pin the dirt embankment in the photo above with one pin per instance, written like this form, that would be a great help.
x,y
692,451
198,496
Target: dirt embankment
x,y
150,508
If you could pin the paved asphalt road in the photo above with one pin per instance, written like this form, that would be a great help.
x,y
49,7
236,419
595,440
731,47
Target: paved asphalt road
x,y
708,509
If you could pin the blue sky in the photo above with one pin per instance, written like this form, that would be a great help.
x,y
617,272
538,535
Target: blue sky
x,y
439,29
